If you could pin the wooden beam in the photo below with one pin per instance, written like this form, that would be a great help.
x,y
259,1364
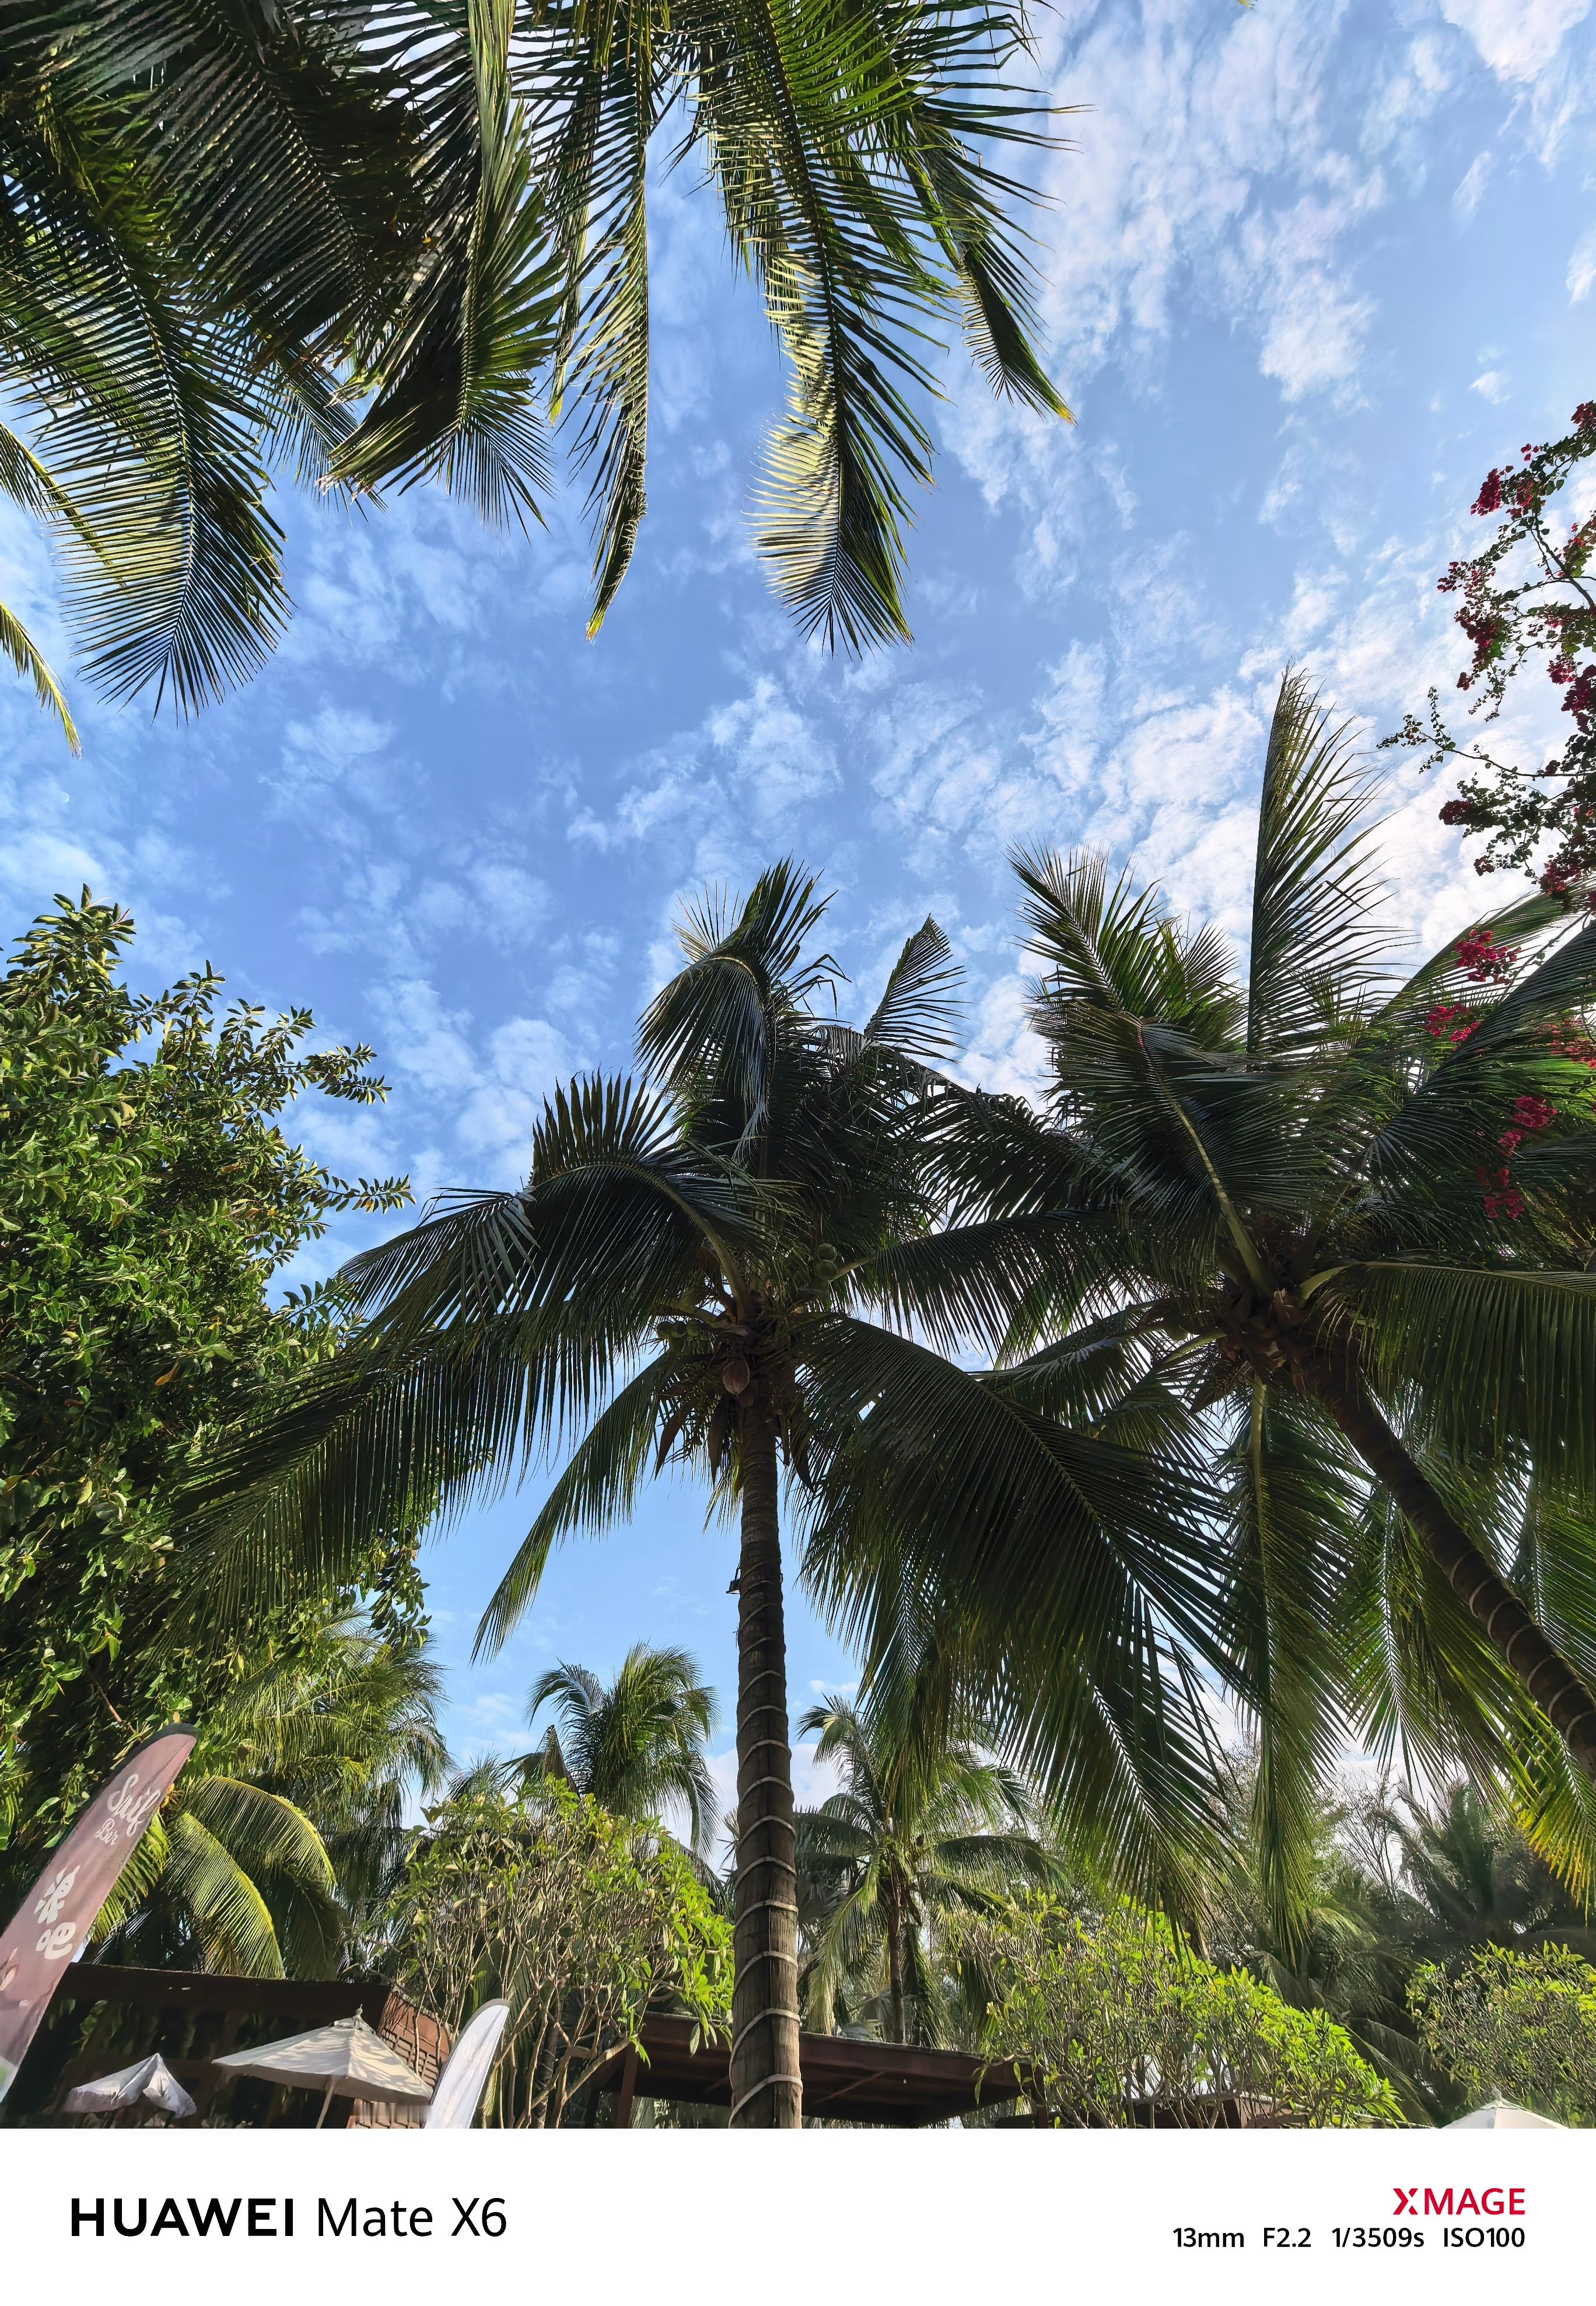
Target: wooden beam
x,y
316,2001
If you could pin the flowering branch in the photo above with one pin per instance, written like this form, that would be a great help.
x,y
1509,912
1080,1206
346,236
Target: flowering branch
x,y
1550,611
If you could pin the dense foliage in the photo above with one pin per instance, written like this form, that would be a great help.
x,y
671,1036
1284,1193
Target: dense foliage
x,y
1527,595
584,1922
1115,2023
283,1837
1515,2025
1395,1885
147,1196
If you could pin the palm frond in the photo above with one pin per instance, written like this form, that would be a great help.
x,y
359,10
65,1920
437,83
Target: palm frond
x,y
598,1487
1293,1511
1313,940
28,660
1499,1356
229,1917
919,1008
456,396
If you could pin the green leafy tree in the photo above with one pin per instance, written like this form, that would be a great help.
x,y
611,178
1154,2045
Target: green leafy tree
x,y
584,1922
1528,595
1519,2025
1345,1223
637,1746
147,1198
445,250
723,1269
922,1828
1114,2023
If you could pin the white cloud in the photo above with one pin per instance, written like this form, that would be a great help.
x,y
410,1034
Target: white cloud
x,y
1517,38
1473,188
527,1058
1582,267
1491,385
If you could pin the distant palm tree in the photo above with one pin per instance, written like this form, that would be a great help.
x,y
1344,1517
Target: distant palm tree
x,y
286,1827
1472,1880
636,1746
1348,1221
921,1828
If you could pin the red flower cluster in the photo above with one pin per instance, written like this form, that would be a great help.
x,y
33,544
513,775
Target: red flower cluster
x,y
1480,957
1438,1025
1502,1198
1580,699
1499,488
1530,1116
1575,1047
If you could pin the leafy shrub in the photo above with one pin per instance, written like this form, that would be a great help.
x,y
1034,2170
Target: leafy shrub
x,y
1118,2024
1520,2026
584,1922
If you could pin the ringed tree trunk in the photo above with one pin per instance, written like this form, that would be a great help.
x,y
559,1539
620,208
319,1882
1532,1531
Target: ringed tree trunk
x,y
1547,1676
894,1921
766,2085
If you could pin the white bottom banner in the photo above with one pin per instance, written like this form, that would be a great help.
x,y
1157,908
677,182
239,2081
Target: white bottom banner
x,y
144,2217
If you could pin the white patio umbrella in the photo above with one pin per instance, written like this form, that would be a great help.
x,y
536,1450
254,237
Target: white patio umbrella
x,y
1501,2113
152,2080
349,2056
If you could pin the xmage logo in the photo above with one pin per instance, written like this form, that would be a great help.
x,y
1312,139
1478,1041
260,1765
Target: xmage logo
x,y
1459,2202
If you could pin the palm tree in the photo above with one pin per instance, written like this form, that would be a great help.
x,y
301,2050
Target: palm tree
x,y
636,1746
689,1275
372,244
1471,1880
1349,1220
287,1829
921,1828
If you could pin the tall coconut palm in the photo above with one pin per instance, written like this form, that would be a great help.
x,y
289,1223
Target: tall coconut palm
x,y
376,243
719,1270
636,1746
1351,1220
921,1827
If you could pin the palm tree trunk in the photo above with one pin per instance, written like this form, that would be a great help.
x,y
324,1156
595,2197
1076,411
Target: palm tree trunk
x,y
895,1971
1547,1677
766,2087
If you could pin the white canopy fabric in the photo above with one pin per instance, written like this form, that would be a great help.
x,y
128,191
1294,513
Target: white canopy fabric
x,y
1502,2115
460,2086
152,2080
349,2056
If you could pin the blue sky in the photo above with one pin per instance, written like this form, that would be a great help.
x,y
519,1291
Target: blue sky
x,y
1311,268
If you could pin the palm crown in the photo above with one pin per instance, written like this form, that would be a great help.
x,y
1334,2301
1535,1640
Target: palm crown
x,y
1349,1220
636,1746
